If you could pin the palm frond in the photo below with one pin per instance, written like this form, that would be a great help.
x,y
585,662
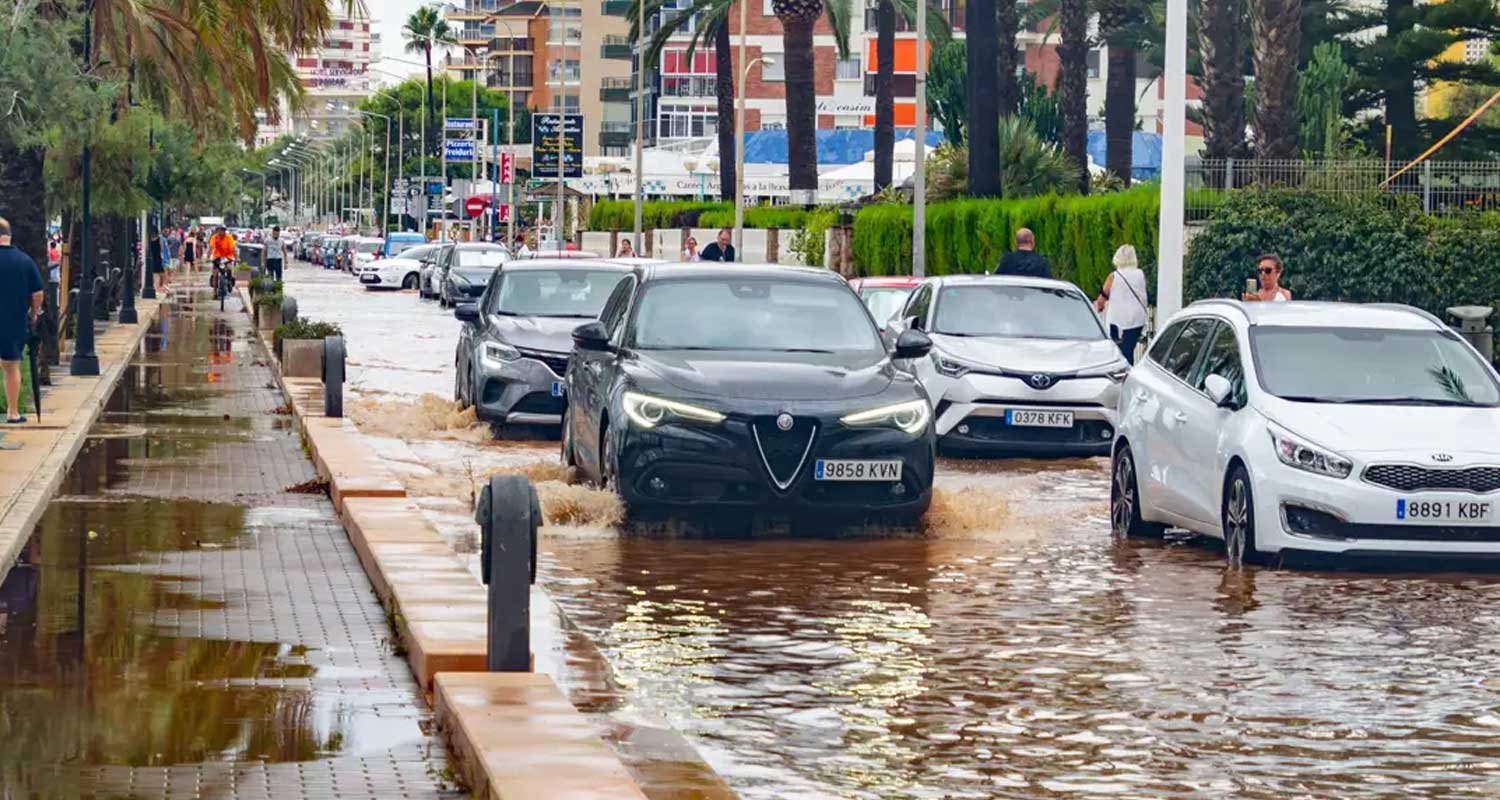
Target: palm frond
x,y
1451,383
840,15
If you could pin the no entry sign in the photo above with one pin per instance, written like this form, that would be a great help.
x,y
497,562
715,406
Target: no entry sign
x,y
475,206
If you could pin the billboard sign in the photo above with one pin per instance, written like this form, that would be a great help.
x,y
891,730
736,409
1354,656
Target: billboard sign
x,y
557,145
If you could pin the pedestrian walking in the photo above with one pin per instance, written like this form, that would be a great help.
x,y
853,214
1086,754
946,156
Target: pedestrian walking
x,y
627,250
1024,260
20,303
720,250
1266,287
190,249
275,253
690,250
1123,299
54,260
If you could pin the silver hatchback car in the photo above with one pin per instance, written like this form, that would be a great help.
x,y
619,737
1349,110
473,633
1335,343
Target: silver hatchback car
x,y
516,340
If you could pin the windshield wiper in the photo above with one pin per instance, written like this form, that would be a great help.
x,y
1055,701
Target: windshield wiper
x,y
1415,401
803,350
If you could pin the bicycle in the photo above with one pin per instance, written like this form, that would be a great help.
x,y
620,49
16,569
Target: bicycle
x,y
222,280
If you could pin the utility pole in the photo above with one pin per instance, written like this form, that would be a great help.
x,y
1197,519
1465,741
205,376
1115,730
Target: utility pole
x,y
85,361
1173,172
640,120
919,183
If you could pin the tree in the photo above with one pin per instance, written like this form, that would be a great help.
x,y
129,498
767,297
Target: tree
x,y
1072,84
798,18
984,105
885,66
947,89
1276,35
1320,102
1029,166
712,22
423,28
1125,30
1007,25
1221,50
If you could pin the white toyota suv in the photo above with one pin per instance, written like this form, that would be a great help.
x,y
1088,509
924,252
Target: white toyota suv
x,y
1322,427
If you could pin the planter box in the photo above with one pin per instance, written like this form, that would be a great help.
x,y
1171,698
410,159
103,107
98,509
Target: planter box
x,y
301,358
268,319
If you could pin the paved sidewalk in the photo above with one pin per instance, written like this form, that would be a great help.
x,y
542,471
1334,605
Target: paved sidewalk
x,y
184,626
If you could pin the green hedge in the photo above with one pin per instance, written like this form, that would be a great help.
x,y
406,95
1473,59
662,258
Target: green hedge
x,y
1372,248
619,215
1078,234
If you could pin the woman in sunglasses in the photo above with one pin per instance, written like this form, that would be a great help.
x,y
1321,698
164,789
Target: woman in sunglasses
x,y
1269,291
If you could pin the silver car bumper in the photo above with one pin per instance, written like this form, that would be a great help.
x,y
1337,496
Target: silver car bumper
x,y
521,392
971,415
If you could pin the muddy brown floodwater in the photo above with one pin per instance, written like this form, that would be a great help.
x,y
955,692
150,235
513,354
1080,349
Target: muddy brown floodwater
x,y
1012,649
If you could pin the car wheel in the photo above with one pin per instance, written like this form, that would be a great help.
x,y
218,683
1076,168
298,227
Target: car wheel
x,y
1238,517
410,282
609,478
568,459
458,387
1125,499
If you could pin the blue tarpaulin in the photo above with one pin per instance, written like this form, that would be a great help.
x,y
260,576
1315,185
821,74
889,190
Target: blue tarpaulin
x,y
834,147
1145,153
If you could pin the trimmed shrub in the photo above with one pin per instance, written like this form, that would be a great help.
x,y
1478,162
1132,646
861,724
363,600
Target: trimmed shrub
x,y
619,215
1078,234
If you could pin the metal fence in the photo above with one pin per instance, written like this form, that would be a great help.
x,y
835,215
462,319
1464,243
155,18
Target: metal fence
x,y
1434,187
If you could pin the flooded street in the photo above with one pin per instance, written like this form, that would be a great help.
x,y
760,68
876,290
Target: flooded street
x,y
1009,649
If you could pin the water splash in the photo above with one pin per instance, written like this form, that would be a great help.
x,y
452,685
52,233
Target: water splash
x,y
425,417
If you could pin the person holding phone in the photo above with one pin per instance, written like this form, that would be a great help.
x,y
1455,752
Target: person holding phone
x,y
1267,287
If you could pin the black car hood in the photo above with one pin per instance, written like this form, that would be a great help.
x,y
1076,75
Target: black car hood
x,y
751,375
553,334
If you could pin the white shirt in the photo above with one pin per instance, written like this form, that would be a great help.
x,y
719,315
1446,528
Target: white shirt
x,y
275,249
1127,308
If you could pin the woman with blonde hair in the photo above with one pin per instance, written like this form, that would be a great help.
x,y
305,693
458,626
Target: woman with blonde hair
x,y
1124,293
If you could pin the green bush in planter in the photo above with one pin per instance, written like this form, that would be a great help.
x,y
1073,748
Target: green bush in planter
x,y
303,329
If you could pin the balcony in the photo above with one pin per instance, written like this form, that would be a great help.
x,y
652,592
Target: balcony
x,y
615,90
614,138
617,47
615,8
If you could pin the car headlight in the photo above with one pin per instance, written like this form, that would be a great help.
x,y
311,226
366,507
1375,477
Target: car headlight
x,y
1294,451
911,416
648,412
949,367
499,352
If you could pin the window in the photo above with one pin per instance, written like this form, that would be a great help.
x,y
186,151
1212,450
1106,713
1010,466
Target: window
x,y
1368,365
921,301
687,122
769,315
613,315
1224,360
770,71
1027,312
1163,343
849,69
1183,354
568,293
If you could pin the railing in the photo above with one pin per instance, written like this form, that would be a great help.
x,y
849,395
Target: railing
x,y
1434,187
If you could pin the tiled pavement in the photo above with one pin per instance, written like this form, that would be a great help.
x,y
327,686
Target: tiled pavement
x,y
286,576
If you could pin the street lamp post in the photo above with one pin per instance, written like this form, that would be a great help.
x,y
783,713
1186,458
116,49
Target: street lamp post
x,y
919,178
1173,177
640,118
385,218
510,128
85,361
739,141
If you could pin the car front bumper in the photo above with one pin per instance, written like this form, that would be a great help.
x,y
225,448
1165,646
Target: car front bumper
x,y
723,466
971,416
1302,511
521,392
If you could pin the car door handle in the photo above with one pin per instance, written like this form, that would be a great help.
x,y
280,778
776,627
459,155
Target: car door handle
x,y
1180,417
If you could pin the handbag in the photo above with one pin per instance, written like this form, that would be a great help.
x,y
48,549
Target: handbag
x,y
1149,328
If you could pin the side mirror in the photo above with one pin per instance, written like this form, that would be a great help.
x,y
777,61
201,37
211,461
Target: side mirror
x,y
591,336
467,312
1220,390
912,344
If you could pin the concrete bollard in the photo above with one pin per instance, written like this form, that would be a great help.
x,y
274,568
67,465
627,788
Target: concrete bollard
x,y
508,514
1473,325
333,376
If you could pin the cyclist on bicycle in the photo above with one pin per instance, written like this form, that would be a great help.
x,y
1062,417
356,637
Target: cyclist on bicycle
x,y
223,251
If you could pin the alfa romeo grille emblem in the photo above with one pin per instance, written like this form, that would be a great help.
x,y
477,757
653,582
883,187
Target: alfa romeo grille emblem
x,y
1442,458
1040,381
785,422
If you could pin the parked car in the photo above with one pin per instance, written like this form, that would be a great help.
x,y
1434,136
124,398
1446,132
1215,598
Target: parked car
x,y
1324,427
884,296
366,251
760,388
465,271
398,243
514,346
401,272
429,278
307,246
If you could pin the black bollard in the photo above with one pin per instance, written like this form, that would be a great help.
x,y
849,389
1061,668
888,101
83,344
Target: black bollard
x,y
288,310
508,515
333,376
128,315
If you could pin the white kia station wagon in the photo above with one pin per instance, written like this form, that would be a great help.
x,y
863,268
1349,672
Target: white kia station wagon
x,y
1323,427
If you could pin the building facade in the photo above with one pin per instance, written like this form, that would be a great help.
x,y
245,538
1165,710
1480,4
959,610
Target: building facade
x,y
335,78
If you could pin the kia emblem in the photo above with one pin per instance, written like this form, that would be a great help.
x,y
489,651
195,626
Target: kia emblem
x,y
1040,381
785,422
1442,458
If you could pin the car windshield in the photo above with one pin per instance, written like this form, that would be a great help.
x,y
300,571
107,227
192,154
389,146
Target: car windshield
x,y
475,259
1029,312
555,293
398,247
754,314
884,301
370,247
1371,365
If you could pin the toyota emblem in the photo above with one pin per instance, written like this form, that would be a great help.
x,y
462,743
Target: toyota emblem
x,y
1040,381
1442,458
785,422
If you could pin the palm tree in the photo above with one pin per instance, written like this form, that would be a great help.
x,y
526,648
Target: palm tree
x,y
1119,23
423,28
712,22
1276,32
885,67
798,18
984,106
1072,84
1221,47
1007,24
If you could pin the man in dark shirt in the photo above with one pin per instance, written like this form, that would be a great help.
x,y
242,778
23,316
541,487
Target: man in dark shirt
x,y
720,250
1024,260
20,302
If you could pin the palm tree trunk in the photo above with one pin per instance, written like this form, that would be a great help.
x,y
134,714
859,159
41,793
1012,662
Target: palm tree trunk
x,y
724,90
1221,45
885,93
984,106
23,200
801,103
1399,86
1277,29
1119,112
1072,85
1007,23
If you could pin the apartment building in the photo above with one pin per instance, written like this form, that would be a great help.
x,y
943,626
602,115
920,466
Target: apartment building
x,y
336,77
556,56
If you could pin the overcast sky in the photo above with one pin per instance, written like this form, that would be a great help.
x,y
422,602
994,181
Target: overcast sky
x,y
390,15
